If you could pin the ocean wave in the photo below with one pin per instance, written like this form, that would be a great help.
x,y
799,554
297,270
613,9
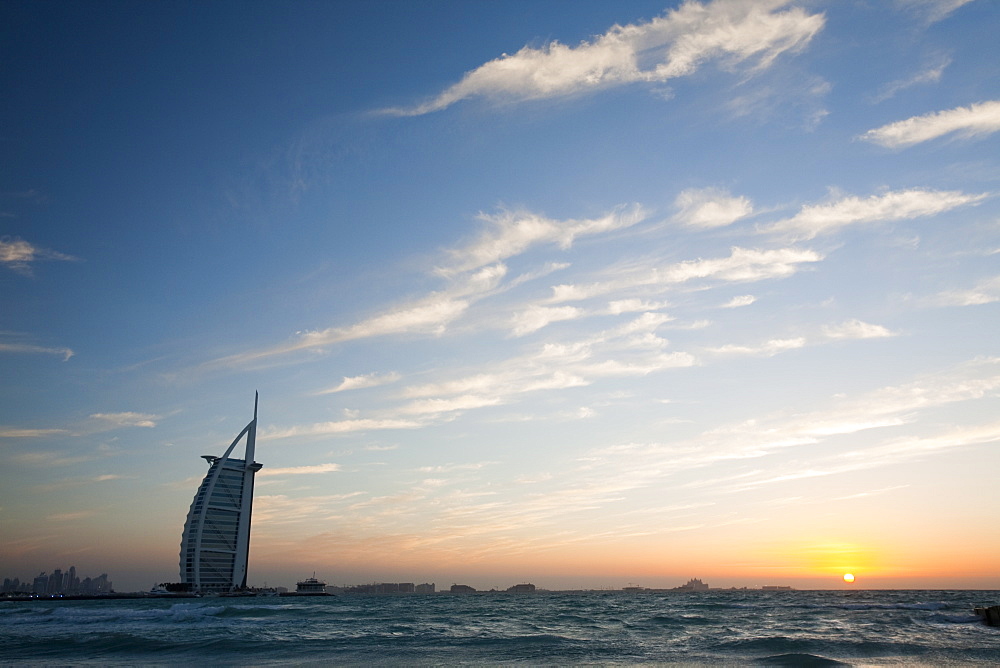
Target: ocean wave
x,y
94,615
803,660
957,619
894,606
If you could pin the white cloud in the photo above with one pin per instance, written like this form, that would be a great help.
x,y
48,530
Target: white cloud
x,y
475,272
710,207
451,468
300,470
630,349
50,459
851,329
15,432
883,413
449,405
338,427
815,219
741,300
929,75
127,419
512,233
362,382
856,329
536,317
985,292
17,255
732,32
975,120
766,349
932,10
429,315
27,348
743,265
632,305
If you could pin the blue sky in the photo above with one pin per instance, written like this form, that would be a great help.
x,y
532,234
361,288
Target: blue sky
x,y
571,292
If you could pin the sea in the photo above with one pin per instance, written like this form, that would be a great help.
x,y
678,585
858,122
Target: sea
x,y
717,628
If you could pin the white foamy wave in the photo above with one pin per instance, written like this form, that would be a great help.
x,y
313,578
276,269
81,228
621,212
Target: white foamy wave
x,y
70,614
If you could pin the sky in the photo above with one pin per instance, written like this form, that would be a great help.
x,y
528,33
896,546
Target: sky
x,y
582,294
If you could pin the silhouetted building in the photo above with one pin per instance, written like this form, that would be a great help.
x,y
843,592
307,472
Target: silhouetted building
x,y
694,584
522,588
55,584
215,545
462,589
425,588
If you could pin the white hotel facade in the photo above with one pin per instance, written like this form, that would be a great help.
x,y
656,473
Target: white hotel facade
x,y
215,545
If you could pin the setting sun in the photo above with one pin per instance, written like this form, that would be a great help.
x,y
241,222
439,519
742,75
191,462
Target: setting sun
x,y
848,577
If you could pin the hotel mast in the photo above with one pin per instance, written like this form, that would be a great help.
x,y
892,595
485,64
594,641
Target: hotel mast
x,y
215,545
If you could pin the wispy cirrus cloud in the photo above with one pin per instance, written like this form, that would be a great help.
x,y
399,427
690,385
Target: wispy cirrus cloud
x,y
768,348
511,233
338,427
976,120
857,329
631,349
16,432
986,291
741,266
127,419
429,315
536,316
735,33
362,382
849,330
300,470
881,414
474,271
869,431
27,348
710,207
932,11
41,458
740,300
931,74
817,219
78,482
18,255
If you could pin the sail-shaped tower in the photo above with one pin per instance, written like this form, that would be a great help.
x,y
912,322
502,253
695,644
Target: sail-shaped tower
x,y
215,545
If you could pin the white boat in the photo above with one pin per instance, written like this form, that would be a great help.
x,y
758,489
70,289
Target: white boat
x,y
308,587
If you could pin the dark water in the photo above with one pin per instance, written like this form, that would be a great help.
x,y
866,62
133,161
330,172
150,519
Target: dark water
x,y
724,627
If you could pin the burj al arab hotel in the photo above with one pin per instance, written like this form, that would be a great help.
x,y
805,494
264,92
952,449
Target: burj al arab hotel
x,y
215,546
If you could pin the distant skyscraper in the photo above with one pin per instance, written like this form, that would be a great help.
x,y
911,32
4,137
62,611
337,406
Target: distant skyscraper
x,y
215,545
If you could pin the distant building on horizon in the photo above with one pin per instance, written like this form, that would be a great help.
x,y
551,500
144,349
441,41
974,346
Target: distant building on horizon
x,y
694,584
215,545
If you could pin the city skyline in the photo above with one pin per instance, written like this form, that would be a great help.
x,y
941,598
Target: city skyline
x,y
573,293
